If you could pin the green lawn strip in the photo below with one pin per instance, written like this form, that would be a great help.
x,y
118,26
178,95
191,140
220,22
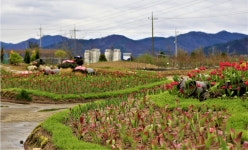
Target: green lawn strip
x,y
238,108
89,95
62,136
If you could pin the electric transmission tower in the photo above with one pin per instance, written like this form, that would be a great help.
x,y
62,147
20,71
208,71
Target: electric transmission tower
x,y
75,42
152,18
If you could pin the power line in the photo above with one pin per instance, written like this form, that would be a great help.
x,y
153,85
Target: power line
x,y
138,23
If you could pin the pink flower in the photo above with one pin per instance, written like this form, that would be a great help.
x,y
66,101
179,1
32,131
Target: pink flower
x,y
198,85
246,82
245,144
112,147
211,130
208,78
241,62
25,72
223,87
220,132
238,88
230,87
80,68
174,134
69,61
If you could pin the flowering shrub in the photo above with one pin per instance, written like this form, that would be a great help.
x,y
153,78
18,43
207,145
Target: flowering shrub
x,y
68,64
81,69
231,79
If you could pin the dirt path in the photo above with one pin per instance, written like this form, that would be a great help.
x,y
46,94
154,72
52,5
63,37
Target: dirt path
x,y
18,121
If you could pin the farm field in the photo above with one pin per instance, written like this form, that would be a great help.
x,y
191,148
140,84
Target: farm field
x,y
139,109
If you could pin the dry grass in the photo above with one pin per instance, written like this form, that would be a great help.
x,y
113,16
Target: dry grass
x,y
19,67
43,52
120,65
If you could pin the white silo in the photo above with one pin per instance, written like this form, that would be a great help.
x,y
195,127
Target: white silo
x,y
95,55
87,56
109,54
117,55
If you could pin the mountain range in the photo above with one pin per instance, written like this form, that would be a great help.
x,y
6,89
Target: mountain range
x,y
232,47
188,42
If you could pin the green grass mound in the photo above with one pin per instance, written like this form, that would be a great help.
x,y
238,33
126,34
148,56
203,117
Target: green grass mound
x,y
237,108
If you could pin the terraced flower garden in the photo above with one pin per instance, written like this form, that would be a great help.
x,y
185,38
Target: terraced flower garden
x,y
142,110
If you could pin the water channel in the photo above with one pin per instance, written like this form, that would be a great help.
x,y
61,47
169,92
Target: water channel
x,y
19,120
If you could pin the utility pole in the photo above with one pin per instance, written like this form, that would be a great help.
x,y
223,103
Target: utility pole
x,y
212,50
40,35
175,42
152,18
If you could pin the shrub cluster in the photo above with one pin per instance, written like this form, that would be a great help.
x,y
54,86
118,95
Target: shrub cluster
x,y
23,95
68,65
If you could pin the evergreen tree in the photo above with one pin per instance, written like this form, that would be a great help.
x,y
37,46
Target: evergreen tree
x,y
33,56
27,57
37,55
102,57
2,53
132,59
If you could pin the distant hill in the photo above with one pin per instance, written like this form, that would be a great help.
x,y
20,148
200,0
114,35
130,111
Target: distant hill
x,y
46,41
232,47
188,42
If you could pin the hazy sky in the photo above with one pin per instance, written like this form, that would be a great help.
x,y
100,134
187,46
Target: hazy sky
x,y
21,19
